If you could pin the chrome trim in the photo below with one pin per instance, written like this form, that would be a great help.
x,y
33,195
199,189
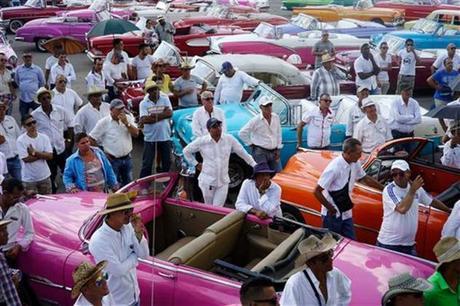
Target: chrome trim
x,y
184,271
44,281
367,188
366,228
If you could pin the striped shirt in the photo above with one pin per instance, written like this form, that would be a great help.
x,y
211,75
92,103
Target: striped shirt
x,y
324,81
8,293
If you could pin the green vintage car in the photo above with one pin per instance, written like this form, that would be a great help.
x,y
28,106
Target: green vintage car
x,y
290,4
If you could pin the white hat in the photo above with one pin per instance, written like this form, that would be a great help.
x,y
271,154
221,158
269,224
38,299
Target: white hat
x,y
367,102
264,101
361,88
401,165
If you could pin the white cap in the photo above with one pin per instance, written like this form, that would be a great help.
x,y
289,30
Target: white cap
x,y
401,165
265,101
361,88
367,102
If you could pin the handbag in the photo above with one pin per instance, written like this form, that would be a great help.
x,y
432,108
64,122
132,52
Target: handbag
x,y
342,197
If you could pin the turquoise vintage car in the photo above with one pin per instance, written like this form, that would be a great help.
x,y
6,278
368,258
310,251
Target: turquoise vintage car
x,y
238,114
290,4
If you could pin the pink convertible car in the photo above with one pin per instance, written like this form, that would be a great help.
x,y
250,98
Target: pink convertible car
x,y
200,254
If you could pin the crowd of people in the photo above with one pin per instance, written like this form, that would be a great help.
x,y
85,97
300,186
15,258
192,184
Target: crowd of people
x,y
91,144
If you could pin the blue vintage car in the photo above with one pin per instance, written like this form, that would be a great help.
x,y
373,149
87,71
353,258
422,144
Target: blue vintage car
x,y
358,28
238,114
427,34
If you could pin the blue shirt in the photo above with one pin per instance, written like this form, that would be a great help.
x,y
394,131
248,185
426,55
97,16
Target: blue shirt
x,y
445,79
161,130
74,172
29,80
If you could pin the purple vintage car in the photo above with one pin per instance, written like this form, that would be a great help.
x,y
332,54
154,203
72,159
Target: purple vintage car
x,y
200,253
73,23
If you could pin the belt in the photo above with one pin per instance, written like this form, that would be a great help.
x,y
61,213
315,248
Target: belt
x,y
269,150
11,158
407,75
121,157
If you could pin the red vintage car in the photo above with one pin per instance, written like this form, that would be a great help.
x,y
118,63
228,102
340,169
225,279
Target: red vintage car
x,y
223,16
416,9
194,42
300,176
12,18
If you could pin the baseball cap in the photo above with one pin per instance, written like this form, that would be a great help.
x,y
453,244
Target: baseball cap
x,y
361,88
367,102
117,103
401,165
264,101
226,66
213,122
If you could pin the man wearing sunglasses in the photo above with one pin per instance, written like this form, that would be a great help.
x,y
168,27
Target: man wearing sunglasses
x,y
203,114
401,200
259,291
407,60
452,54
90,285
62,67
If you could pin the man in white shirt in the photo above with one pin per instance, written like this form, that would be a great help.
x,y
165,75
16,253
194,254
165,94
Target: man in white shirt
x,y
259,195
141,65
90,285
405,114
34,151
401,200
19,213
372,130
114,132
335,185
202,115
64,67
215,150
231,83
407,60
319,283
51,60
53,121
87,116
451,151
319,123
114,71
263,134
366,70
452,54
452,226
118,47
9,132
120,241
65,97
356,112
95,77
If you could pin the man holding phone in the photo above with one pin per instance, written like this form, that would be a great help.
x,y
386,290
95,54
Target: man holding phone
x,y
407,60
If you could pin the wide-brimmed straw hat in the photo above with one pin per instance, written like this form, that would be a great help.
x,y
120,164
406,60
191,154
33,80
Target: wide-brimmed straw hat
x,y
116,202
41,91
313,246
327,58
405,283
94,90
83,273
149,85
447,250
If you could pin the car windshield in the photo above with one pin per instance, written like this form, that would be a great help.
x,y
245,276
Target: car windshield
x,y
426,26
305,22
218,11
364,4
279,106
265,30
167,52
204,71
35,3
3,39
395,43
99,5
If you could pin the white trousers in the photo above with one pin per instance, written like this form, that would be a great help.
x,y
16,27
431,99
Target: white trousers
x,y
214,195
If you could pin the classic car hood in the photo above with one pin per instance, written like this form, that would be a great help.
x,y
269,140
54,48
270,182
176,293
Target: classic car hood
x,y
408,5
371,267
308,162
41,21
373,10
236,115
58,218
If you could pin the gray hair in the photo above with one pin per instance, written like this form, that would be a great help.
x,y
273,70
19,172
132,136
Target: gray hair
x,y
350,144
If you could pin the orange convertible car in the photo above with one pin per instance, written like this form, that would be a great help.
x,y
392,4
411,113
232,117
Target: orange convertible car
x,y
299,178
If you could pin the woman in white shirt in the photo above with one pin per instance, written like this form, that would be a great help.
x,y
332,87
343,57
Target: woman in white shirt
x,y
383,60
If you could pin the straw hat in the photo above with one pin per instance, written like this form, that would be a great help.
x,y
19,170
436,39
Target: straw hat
x,y
312,247
149,85
447,250
94,90
116,202
405,283
5,222
83,273
41,91
327,58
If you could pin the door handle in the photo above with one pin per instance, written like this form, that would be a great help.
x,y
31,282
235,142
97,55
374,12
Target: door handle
x,y
166,275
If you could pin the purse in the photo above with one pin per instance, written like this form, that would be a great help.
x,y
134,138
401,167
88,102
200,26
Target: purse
x,y
342,197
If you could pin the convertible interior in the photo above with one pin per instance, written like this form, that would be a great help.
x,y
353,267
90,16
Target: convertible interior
x,y
231,245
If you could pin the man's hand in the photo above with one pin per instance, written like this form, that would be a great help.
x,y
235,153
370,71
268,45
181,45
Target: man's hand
x,y
298,146
416,184
2,139
74,190
122,117
455,140
31,150
264,186
331,211
199,166
277,154
189,91
138,226
260,214
14,251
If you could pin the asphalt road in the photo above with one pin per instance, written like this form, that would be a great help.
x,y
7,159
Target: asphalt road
x,y
82,66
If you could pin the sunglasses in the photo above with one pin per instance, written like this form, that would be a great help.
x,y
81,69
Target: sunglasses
x,y
62,81
208,99
102,279
271,301
3,60
398,173
409,45
326,100
30,123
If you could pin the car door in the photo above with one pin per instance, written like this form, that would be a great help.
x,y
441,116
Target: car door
x,y
79,28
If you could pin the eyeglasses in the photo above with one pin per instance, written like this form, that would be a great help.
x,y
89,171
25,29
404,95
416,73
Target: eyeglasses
x,y
101,279
383,47
208,99
452,48
62,81
30,123
397,173
271,301
3,60
409,45
326,100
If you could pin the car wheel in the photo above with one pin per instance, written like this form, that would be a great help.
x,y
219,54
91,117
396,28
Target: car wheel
x,y
238,172
39,44
378,20
292,213
15,25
